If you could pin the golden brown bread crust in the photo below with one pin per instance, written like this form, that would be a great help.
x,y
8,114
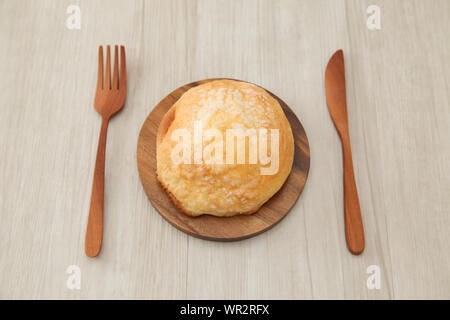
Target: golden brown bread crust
x,y
165,124
248,190
193,214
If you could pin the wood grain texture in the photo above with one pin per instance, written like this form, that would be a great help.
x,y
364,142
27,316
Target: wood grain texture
x,y
210,227
337,104
398,81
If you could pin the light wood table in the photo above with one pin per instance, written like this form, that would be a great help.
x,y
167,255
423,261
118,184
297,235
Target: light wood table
x,y
398,82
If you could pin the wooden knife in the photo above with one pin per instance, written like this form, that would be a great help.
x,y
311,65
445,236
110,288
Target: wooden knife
x,y
337,105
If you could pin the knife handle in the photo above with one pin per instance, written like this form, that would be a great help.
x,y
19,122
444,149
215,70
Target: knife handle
x,y
354,230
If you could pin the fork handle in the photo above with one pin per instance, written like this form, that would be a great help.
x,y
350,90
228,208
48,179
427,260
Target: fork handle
x,y
94,233
354,230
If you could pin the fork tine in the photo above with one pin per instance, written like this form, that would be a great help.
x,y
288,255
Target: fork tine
x,y
123,69
108,69
115,82
100,68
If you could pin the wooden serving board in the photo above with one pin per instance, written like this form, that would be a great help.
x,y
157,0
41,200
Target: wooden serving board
x,y
207,226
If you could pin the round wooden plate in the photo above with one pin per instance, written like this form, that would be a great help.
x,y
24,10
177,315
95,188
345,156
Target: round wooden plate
x,y
207,226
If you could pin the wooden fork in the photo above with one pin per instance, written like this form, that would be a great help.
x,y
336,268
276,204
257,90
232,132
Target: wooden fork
x,y
109,99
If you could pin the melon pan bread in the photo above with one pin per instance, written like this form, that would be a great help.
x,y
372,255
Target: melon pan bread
x,y
223,189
